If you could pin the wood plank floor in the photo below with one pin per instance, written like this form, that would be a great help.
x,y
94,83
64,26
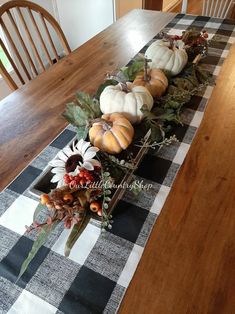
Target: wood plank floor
x,y
195,8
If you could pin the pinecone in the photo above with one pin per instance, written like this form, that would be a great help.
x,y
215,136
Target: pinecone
x,y
69,205
64,198
66,205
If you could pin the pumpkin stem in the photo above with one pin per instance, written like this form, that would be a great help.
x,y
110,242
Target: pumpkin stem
x,y
146,76
124,87
107,125
120,81
168,38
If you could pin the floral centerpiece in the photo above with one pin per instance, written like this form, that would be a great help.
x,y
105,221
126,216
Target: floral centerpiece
x,y
132,110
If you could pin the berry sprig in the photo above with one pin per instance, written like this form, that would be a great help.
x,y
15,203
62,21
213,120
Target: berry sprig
x,y
201,39
192,38
85,177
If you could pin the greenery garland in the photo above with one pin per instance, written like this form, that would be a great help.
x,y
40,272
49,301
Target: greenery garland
x,y
85,109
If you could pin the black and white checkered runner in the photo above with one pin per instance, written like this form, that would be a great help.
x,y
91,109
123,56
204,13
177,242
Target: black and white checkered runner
x,y
97,273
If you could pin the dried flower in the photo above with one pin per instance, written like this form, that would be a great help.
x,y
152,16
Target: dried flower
x,y
71,159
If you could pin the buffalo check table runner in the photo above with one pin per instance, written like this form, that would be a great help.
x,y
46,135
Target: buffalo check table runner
x,y
100,267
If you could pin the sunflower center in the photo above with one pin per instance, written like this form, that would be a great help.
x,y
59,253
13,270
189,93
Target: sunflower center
x,y
72,163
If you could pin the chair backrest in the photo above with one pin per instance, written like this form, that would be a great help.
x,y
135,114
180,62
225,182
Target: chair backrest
x,y
217,8
24,56
213,8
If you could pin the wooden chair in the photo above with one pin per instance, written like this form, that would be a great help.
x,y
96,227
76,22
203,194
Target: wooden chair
x,y
213,8
31,64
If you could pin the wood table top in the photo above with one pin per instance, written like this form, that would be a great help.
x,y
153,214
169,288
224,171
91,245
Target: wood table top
x,y
188,263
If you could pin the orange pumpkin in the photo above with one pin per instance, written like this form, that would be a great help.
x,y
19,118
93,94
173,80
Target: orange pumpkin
x,y
112,133
154,80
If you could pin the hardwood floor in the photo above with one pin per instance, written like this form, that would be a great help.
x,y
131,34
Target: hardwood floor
x,y
194,7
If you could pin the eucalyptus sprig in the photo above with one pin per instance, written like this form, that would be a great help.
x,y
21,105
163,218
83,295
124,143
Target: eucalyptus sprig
x,y
121,163
106,192
153,145
191,81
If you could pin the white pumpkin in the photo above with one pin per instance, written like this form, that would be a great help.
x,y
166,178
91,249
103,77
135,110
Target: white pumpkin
x,y
165,57
115,99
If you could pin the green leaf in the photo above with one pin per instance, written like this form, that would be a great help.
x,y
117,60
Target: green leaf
x,y
102,87
203,76
158,114
88,104
82,132
76,232
75,115
38,243
83,109
38,209
176,94
185,83
136,187
168,115
132,70
173,104
156,134
147,114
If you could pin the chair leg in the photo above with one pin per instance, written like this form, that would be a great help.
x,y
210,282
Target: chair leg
x,y
184,6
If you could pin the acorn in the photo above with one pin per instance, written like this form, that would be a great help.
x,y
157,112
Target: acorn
x,y
68,197
95,207
44,199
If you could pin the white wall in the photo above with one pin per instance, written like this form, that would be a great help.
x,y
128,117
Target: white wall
x,y
83,19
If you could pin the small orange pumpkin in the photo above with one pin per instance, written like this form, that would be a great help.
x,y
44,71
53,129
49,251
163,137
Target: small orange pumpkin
x,y
112,133
154,80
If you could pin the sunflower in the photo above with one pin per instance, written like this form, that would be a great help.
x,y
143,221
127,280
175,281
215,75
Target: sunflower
x,y
71,159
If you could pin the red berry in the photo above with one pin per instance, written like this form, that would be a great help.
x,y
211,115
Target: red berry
x,y
82,181
175,37
72,184
67,179
77,179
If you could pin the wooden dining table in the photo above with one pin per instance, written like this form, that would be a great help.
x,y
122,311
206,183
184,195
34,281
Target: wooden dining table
x,y
188,265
